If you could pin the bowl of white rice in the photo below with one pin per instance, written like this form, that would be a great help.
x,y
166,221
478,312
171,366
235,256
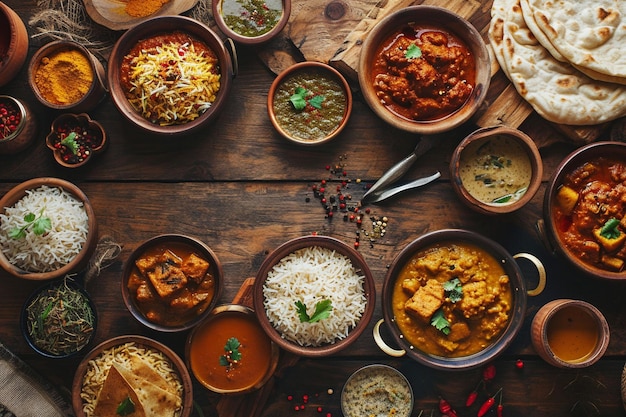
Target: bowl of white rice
x,y
314,295
48,229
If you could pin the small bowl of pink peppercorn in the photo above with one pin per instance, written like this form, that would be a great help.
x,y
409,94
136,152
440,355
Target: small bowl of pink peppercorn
x,y
17,125
75,138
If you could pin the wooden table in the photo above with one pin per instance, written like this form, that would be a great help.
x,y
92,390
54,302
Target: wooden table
x,y
243,190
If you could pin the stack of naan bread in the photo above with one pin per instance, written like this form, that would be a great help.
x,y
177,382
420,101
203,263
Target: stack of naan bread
x,y
564,57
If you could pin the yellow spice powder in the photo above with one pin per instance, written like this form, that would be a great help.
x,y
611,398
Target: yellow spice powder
x,y
142,8
64,77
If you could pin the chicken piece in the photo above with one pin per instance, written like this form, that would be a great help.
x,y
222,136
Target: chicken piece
x,y
426,300
476,298
459,331
186,300
410,285
195,268
135,281
170,258
146,263
145,293
167,279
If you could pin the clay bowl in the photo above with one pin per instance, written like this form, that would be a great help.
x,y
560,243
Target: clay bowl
x,y
23,131
172,320
118,347
556,218
90,137
310,295
82,257
13,44
249,32
446,21
503,339
570,333
318,80
92,95
513,179
205,348
164,25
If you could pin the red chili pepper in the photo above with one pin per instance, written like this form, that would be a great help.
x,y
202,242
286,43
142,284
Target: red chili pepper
x,y
446,409
489,373
499,410
488,404
471,398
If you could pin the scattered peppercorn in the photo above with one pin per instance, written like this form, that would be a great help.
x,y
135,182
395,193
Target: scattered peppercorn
x,y
519,364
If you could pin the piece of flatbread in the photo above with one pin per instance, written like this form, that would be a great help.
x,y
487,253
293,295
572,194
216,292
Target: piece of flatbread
x,y
156,401
114,391
556,90
590,34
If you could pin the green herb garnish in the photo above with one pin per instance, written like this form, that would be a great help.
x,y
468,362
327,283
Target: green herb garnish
x,y
413,52
299,99
232,355
322,311
453,289
125,407
610,230
40,225
439,322
70,143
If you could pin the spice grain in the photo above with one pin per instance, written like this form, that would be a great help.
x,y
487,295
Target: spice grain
x,y
143,8
64,77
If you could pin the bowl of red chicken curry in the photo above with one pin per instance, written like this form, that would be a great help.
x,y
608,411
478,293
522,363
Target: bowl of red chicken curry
x,y
171,282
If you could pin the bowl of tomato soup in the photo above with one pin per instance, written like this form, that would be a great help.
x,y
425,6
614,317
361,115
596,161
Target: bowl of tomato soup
x,y
454,299
171,282
584,210
424,69
496,170
229,352
570,333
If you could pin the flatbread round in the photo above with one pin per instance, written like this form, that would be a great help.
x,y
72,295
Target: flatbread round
x,y
589,34
556,90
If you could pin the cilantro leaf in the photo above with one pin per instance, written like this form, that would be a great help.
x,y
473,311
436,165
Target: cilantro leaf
x,y
453,289
298,99
232,355
439,322
317,101
70,142
610,230
322,311
413,52
40,224
125,407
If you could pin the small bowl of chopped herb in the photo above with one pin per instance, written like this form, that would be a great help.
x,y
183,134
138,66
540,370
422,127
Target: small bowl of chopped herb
x,y
309,103
59,319
74,139
251,22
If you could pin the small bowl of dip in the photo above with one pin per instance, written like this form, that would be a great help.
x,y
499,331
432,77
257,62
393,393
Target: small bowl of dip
x,y
570,333
377,390
496,170
251,22
309,103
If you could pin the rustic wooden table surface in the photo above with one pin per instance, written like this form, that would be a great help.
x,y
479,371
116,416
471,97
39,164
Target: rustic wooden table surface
x,y
244,190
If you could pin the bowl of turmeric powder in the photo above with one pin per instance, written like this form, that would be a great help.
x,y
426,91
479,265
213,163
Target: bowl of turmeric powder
x,y
64,75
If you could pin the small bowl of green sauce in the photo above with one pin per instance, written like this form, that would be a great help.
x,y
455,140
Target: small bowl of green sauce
x,y
251,22
59,319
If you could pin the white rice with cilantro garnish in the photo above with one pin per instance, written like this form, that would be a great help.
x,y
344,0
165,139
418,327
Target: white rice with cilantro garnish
x,y
57,246
311,275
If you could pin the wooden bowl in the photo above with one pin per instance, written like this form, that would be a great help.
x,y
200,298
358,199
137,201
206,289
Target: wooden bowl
x,y
555,220
140,342
327,244
37,66
164,25
500,189
14,43
430,17
181,245
112,13
82,258
295,124
259,35
91,139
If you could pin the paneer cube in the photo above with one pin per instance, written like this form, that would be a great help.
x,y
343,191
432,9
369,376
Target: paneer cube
x,y
567,199
195,268
167,279
426,301
609,244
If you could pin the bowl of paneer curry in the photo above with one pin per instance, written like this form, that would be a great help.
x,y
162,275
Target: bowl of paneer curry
x,y
584,208
171,282
454,299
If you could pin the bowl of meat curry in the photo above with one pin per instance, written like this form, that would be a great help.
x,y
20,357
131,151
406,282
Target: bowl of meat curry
x,y
424,69
454,299
171,282
584,210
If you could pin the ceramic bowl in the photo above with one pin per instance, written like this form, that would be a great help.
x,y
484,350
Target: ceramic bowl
x,y
206,344
43,72
496,170
13,44
570,333
82,258
166,25
254,26
502,339
89,139
17,134
310,294
94,367
561,198
430,17
170,315
63,296
324,110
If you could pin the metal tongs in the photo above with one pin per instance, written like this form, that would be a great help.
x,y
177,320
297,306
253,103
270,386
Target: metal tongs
x,y
380,190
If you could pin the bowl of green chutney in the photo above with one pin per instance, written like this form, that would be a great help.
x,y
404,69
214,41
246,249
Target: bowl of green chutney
x,y
251,22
